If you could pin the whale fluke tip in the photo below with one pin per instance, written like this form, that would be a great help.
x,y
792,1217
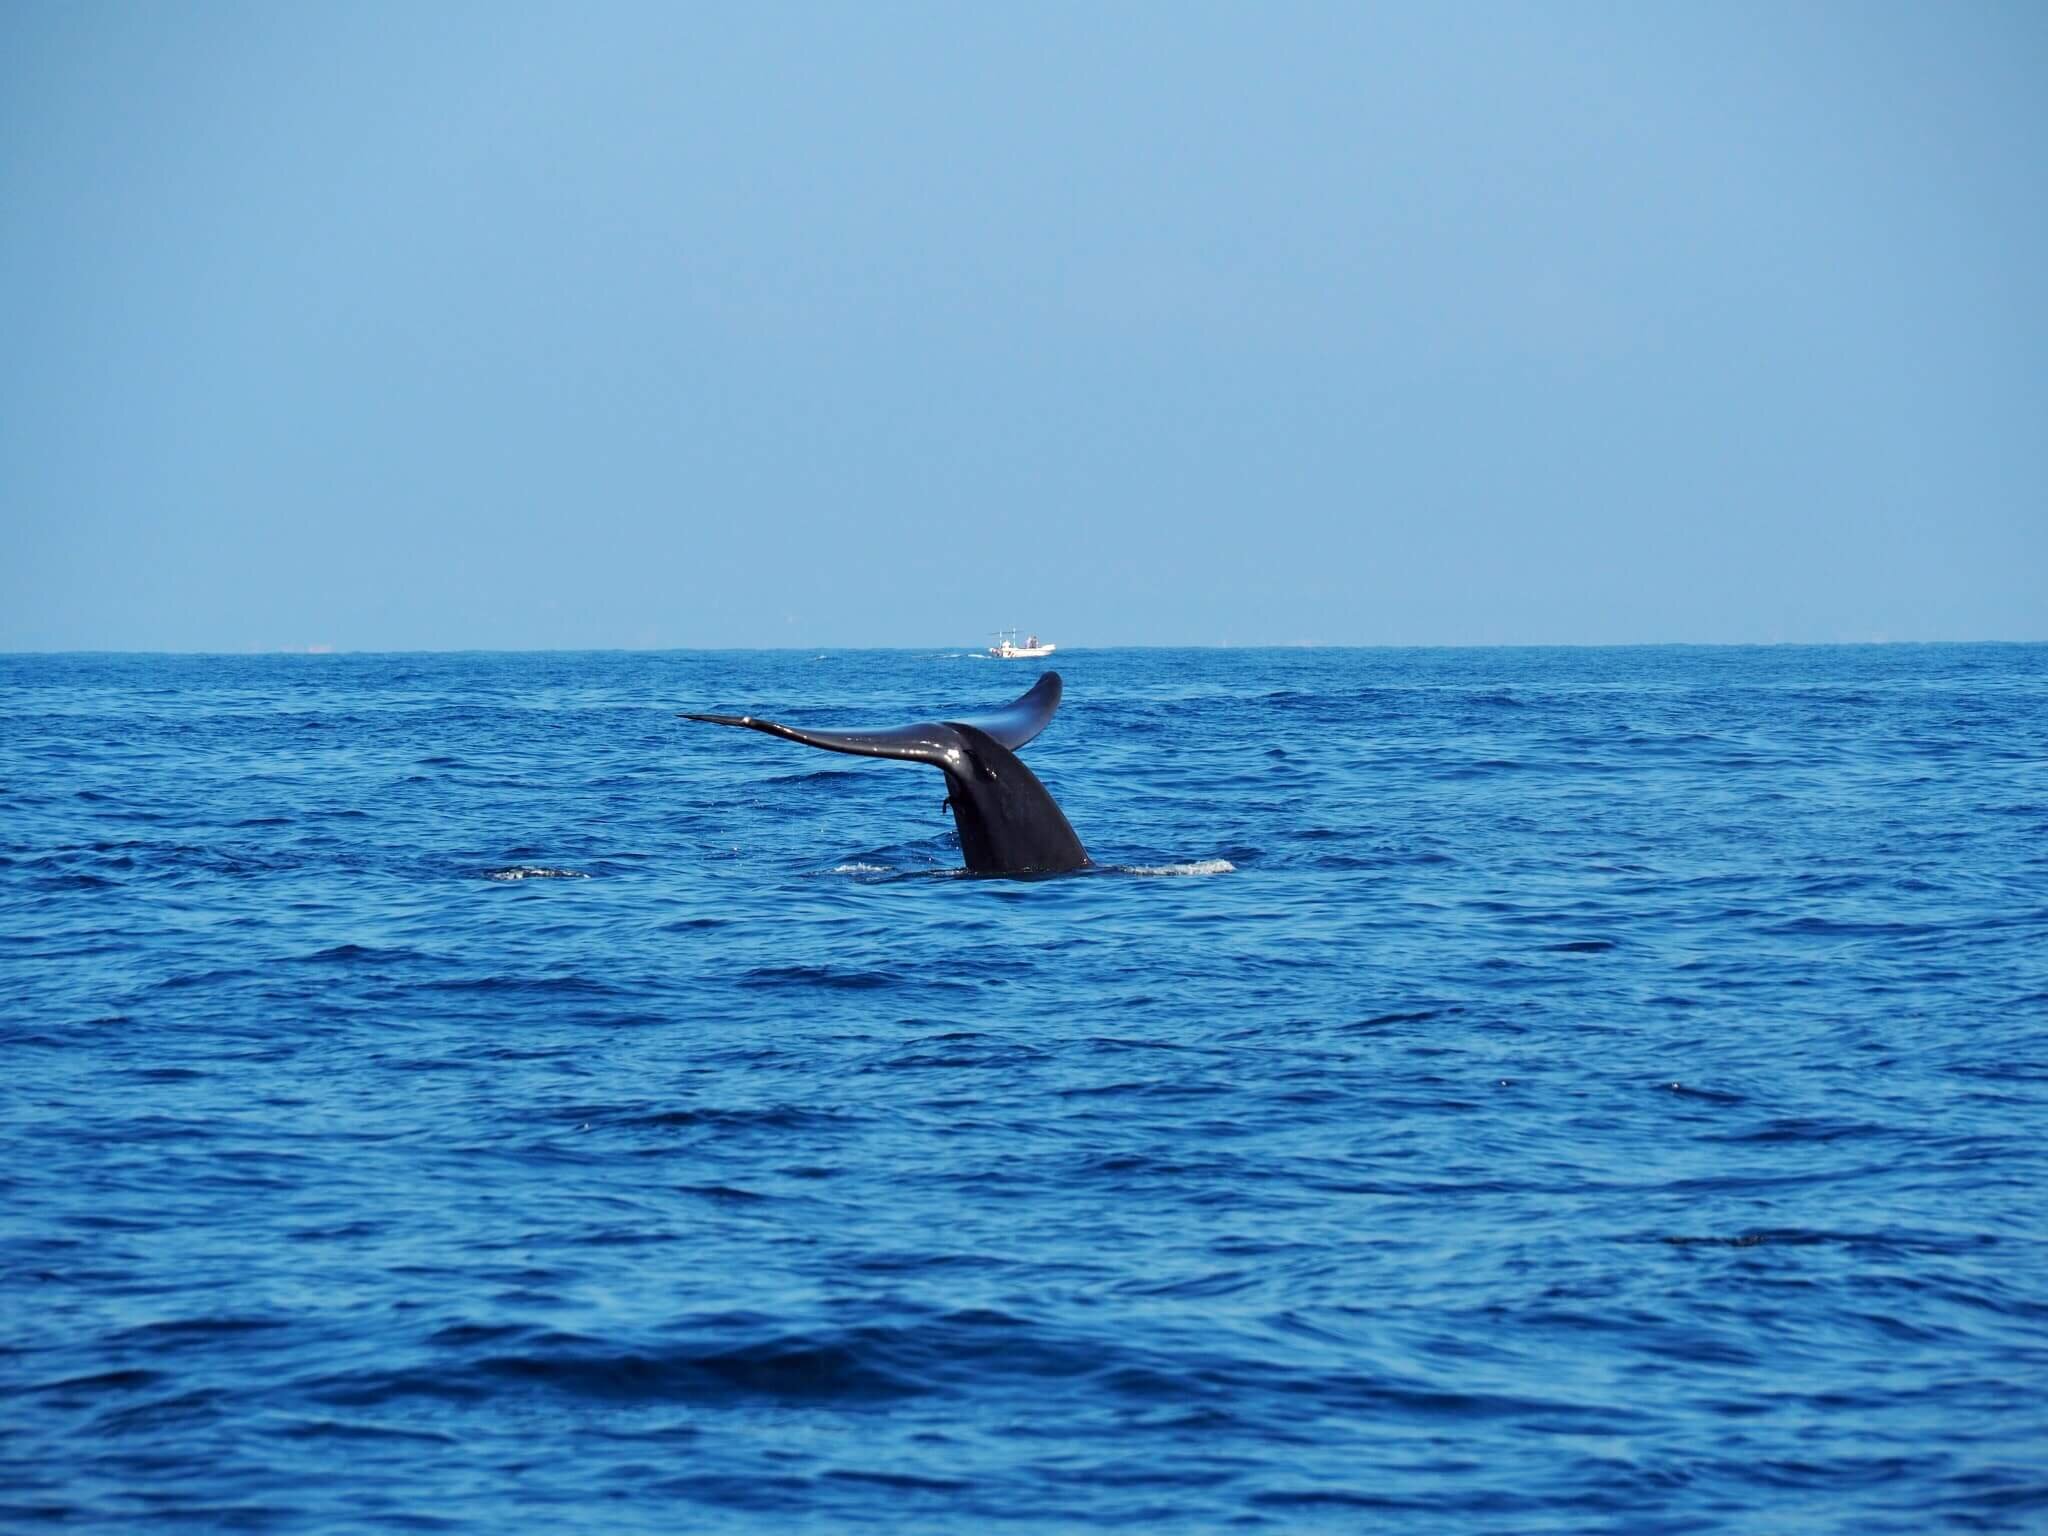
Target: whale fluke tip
x,y
1008,824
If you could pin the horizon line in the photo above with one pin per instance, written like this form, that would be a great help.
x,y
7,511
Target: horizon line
x,y
1295,645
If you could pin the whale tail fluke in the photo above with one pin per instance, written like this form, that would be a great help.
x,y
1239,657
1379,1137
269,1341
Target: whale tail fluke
x,y
1007,821
1010,727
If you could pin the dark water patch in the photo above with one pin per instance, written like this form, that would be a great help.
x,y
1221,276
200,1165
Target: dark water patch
x,y
617,1237
340,1232
526,987
346,1431
1334,1498
774,1117
181,1412
76,880
1803,1130
1415,1016
724,1193
374,1389
170,1332
1745,1240
899,1482
1115,1043
807,977
1842,928
1185,1088
350,954
1702,1095
456,1334
130,1380
793,1369
1877,1244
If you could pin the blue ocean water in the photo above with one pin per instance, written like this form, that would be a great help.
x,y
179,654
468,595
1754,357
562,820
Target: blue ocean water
x,y
1482,1090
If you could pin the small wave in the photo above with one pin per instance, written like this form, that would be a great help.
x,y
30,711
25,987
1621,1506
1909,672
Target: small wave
x,y
773,1118
849,978
791,1369
170,1329
1709,1095
342,953
105,1381
1887,1242
1412,1016
570,985
719,1192
345,1429
1197,867
859,869
534,872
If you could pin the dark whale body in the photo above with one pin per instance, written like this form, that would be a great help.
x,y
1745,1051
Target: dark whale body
x,y
1008,824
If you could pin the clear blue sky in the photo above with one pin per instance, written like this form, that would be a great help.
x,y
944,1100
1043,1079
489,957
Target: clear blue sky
x,y
447,326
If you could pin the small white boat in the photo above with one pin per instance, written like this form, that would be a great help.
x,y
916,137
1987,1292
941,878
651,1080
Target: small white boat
x,y
1007,648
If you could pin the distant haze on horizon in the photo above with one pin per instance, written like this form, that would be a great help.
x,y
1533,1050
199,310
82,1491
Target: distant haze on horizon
x,y
385,328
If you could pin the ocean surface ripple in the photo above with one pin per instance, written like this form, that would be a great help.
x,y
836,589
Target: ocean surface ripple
x,y
1480,1090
